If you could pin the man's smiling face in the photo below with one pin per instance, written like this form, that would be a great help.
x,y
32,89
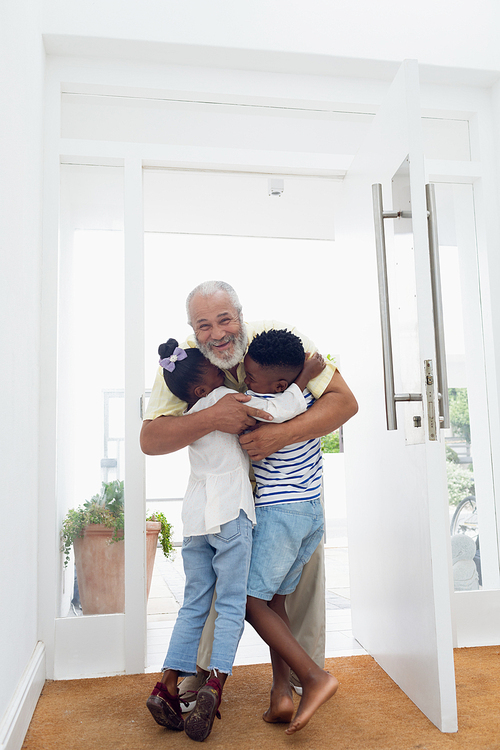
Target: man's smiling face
x,y
218,328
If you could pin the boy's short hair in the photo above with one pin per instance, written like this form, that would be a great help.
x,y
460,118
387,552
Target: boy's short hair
x,y
277,348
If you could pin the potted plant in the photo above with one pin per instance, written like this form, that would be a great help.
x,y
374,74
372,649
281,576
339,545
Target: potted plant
x,y
95,530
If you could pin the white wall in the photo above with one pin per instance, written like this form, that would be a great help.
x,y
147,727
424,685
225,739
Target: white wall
x,y
437,32
494,218
21,81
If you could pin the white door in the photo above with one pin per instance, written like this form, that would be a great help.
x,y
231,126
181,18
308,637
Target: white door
x,y
396,483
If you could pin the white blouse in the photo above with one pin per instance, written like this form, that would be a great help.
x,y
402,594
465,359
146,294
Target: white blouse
x,y
219,485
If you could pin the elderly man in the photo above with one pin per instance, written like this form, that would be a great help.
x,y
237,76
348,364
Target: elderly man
x,y
215,314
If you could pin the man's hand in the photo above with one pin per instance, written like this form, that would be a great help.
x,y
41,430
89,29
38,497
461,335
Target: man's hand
x,y
230,414
264,440
332,409
167,434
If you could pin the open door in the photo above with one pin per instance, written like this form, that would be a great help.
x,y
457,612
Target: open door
x,y
400,562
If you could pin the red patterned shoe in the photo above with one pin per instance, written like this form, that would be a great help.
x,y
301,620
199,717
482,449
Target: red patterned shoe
x,y
165,708
198,724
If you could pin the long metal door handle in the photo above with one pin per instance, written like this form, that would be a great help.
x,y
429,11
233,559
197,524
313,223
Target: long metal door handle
x,y
437,303
391,398
385,318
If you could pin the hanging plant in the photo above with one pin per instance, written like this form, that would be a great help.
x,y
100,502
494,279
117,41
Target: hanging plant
x,y
165,535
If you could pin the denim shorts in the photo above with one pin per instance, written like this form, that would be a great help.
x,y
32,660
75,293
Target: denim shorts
x,y
284,539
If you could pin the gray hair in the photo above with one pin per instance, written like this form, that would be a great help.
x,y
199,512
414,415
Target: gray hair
x,y
209,288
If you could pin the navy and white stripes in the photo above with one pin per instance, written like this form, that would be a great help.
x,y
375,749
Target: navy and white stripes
x,y
293,474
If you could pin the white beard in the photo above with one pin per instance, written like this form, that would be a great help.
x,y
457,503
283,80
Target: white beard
x,y
227,360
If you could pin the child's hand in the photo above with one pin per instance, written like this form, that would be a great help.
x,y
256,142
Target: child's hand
x,y
313,366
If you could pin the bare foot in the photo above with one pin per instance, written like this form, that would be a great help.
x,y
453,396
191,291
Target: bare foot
x,y
280,709
315,693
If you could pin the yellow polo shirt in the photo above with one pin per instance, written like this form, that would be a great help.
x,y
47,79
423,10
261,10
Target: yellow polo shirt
x,y
163,402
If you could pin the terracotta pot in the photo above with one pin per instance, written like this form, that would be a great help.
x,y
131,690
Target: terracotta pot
x,y
152,531
100,568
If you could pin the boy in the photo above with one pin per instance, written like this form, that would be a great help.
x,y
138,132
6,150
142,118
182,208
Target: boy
x,y
289,528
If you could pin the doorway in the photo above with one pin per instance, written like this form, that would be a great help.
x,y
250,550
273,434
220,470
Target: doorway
x,y
299,293
277,272
228,205
291,241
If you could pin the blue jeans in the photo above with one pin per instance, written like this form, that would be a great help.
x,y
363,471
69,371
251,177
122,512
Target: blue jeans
x,y
221,559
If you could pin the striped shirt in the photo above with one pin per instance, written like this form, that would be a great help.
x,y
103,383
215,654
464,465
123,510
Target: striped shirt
x,y
292,474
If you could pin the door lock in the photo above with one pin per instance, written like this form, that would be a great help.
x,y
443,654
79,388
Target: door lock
x,y
429,395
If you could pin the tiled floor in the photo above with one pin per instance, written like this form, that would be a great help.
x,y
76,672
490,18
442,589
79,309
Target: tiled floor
x,y
166,594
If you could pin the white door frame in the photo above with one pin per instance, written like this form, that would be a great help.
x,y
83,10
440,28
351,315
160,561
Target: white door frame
x,y
126,633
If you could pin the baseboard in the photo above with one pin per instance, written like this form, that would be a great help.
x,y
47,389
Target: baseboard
x,y
476,618
16,720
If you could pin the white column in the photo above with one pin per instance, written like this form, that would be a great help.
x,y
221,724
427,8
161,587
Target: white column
x,y
48,519
135,504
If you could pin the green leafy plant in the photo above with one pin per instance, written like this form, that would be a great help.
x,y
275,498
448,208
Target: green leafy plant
x,y
165,535
460,481
330,443
452,455
459,412
106,508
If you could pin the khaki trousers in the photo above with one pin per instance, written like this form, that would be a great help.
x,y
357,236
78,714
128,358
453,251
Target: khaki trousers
x,y
305,609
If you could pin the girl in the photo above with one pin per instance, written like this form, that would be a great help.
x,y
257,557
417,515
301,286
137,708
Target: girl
x,y
218,514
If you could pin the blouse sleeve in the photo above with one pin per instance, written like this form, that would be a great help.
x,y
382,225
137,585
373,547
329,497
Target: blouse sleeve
x,y
282,406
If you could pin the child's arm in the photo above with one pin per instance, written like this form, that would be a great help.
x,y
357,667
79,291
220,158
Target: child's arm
x,y
282,406
291,403
312,368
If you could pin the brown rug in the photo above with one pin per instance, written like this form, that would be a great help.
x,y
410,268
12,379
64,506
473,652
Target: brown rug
x,y
369,712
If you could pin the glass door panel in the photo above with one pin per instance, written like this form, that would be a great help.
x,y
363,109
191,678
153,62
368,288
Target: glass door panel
x,y
275,276
470,490
91,393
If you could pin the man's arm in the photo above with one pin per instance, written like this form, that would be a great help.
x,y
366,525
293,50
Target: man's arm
x,y
166,434
331,410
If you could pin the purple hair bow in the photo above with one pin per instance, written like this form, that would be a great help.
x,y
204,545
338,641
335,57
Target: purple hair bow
x,y
169,362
